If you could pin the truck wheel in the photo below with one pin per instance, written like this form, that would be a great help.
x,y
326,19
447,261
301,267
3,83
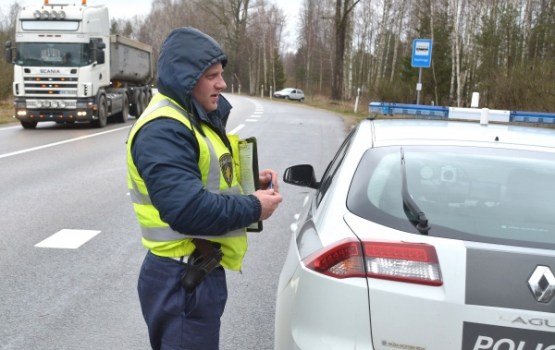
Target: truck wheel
x,y
141,102
102,113
135,109
144,100
28,125
122,116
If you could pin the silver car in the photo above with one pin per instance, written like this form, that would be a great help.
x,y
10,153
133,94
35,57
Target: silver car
x,y
424,234
290,94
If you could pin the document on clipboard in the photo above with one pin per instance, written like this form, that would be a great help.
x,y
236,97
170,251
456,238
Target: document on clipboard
x,y
248,155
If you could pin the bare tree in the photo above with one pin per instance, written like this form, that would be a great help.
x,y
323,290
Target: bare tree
x,y
343,11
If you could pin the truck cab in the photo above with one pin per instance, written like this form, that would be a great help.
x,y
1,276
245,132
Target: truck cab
x,y
63,67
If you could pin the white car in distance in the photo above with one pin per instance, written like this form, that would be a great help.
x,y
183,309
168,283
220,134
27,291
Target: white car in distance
x,y
290,94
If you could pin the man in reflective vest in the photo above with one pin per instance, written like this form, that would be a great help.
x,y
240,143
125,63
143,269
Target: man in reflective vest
x,y
183,179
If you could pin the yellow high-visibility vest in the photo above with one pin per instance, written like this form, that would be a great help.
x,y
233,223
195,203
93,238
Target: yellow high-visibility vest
x,y
217,177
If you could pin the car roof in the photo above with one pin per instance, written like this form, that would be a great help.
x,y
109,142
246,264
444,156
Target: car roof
x,y
387,132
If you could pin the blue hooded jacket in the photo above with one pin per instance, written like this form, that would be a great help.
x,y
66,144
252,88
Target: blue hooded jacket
x,y
166,152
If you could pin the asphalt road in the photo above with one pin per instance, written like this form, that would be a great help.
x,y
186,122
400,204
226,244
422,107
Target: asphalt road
x,y
60,183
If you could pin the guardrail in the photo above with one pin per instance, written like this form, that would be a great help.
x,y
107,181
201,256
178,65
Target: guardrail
x,y
479,114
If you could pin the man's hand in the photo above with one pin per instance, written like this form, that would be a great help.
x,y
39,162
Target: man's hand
x,y
268,196
264,178
269,201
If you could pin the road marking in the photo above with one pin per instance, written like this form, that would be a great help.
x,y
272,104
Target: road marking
x,y
6,155
10,127
67,239
251,120
239,127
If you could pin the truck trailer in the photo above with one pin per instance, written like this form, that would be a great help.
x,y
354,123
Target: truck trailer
x,y
68,68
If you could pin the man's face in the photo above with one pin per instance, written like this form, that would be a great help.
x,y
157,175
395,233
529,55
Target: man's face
x,y
208,88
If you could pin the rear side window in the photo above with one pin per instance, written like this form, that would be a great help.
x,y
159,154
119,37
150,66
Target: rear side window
x,y
485,195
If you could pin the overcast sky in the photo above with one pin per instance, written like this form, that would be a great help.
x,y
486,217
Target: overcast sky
x,y
130,8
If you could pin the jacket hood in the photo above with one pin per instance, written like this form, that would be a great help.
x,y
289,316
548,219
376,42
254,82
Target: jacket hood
x,y
185,55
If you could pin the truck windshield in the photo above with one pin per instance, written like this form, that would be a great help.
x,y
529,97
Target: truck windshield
x,y
53,54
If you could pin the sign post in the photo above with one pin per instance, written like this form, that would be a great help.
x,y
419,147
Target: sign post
x,y
421,58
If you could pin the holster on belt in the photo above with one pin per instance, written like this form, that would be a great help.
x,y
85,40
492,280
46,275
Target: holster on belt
x,y
205,258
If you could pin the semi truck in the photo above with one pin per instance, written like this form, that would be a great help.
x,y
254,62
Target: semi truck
x,y
68,68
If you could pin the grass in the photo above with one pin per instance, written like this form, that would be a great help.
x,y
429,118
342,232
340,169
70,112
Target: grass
x,y
343,108
6,112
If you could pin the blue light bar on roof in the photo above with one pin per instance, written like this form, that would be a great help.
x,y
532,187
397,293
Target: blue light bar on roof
x,y
407,109
533,117
386,108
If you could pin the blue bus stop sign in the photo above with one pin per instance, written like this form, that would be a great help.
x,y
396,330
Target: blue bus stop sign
x,y
421,53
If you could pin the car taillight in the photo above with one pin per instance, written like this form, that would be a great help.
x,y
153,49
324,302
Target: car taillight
x,y
398,261
341,260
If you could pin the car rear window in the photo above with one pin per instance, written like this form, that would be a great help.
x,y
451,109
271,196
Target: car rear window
x,y
478,194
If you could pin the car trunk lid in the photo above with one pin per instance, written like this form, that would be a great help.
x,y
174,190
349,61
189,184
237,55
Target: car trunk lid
x,y
491,296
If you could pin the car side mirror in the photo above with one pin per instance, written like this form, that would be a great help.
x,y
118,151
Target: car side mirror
x,y
301,175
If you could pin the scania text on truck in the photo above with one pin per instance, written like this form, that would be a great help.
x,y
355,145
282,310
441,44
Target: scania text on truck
x,y
68,68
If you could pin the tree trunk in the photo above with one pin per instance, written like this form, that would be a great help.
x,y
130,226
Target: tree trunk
x,y
343,9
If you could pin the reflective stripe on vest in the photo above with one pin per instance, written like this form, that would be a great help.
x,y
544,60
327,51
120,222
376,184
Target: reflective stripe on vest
x,y
152,227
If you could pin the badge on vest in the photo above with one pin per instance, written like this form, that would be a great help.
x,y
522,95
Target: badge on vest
x,y
226,167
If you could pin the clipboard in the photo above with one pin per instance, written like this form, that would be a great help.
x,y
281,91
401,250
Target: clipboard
x,y
248,154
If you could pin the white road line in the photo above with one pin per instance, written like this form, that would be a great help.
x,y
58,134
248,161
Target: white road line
x,y
251,120
67,239
11,127
6,155
239,127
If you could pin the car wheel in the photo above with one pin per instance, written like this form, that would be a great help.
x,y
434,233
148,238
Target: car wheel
x,y
286,97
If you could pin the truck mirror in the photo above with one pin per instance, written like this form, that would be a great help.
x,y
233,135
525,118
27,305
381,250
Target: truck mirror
x,y
97,49
100,58
9,54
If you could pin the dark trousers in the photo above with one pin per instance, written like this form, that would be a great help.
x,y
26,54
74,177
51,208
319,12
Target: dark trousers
x,y
178,320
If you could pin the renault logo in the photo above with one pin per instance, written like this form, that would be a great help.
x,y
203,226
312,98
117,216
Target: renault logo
x,y
542,284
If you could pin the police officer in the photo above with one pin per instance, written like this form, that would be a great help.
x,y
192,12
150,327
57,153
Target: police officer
x,y
182,176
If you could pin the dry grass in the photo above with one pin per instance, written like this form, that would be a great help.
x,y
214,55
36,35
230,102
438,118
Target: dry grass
x,y
6,112
344,108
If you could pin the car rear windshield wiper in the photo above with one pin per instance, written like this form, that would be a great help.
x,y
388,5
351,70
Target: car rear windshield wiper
x,y
415,215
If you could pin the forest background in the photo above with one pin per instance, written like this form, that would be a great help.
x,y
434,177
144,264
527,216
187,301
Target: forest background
x,y
502,49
